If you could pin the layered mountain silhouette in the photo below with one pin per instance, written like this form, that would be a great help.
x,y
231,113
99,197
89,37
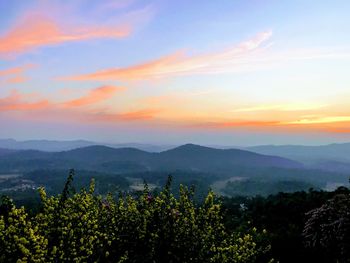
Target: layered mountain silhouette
x,y
187,157
57,146
336,151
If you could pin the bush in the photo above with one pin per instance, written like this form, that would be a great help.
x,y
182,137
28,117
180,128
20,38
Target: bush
x,y
84,227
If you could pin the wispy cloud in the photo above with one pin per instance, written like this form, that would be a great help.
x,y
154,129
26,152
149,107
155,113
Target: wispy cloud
x,y
236,124
38,30
253,54
281,107
177,64
94,96
332,124
320,120
34,106
15,74
38,107
18,102
339,130
55,23
138,115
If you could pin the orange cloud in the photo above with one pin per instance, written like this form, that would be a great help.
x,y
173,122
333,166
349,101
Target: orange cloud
x,y
143,71
11,71
177,64
232,124
139,115
94,96
15,74
17,102
321,120
37,30
21,102
45,109
17,79
339,130
282,107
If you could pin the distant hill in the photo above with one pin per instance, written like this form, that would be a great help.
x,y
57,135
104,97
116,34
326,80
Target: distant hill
x,y
187,157
43,145
195,157
56,146
337,151
5,151
190,164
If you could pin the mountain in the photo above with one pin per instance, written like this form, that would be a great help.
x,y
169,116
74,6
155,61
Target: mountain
x,y
56,146
337,151
5,151
43,145
195,157
190,164
102,158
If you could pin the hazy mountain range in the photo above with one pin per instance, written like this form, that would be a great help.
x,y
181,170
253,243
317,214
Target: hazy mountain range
x,y
102,158
191,164
332,157
56,146
336,151
339,151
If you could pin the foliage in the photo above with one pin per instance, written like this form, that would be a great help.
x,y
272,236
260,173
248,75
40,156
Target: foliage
x,y
53,180
328,228
283,216
85,227
264,187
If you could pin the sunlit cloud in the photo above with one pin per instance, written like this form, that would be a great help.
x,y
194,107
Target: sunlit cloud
x,y
339,130
18,102
233,124
249,55
48,25
139,115
12,71
177,64
282,107
15,74
36,107
94,96
321,120
39,30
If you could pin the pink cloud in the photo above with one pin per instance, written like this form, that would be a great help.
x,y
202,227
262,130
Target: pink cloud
x,y
229,124
138,115
15,74
18,102
37,30
94,96
33,107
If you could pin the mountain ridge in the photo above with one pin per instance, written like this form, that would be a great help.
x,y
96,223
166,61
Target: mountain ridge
x,y
188,157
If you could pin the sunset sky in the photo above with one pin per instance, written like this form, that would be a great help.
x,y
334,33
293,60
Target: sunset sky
x,y
167,72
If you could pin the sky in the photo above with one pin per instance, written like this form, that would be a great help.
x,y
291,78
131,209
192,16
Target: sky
x,y
224,72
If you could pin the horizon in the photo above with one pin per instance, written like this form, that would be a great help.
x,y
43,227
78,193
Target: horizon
x,y
159,72
170,146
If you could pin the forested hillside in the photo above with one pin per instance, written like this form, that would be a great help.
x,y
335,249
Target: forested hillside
x,y
229,172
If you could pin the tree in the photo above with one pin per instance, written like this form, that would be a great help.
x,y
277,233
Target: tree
x,y
327,229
